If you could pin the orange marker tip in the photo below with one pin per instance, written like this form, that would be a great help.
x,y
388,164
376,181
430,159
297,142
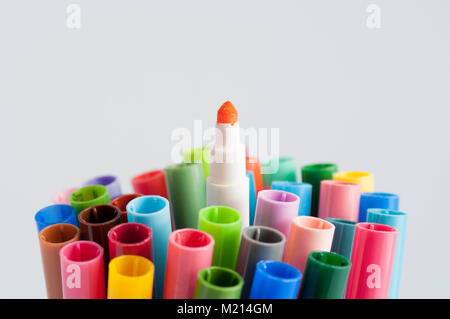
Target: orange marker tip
x,y
227,114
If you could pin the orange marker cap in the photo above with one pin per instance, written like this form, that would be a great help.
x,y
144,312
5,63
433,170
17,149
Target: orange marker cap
x,y
227,114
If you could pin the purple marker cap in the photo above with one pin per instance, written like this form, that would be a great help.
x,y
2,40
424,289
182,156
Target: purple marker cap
x,y
111,182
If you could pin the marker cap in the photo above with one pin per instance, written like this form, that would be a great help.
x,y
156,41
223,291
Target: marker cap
x,y
252,197
307,234
218,283
82,270
95,223
302,190
339,200
224,225
111,182
363,178
252,164
372,260
63,196
190,251
198,155
187,193
344,232
287,170
150,183
130,277
268,169
275,280
276,209
398,220
264,189
88,196
257,243
130,239
314,174
376,200
325,276
51,239
55,214
121,203
154,211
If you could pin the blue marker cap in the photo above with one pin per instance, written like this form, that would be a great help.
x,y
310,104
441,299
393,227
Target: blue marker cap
x,y
376,200
302,190
252,198
154,212
275,280
397,220
55,214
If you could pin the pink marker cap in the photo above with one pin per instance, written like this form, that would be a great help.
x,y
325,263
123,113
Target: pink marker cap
x,y
63,196
372,259
82,271
339,200
307,234
276,209
190,250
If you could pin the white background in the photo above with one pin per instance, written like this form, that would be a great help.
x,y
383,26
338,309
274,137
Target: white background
x,y
105,99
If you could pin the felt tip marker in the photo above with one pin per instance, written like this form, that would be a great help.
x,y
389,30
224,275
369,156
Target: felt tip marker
x,y
228,184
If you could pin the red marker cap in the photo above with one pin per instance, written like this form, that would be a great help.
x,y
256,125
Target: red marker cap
x,y
150,183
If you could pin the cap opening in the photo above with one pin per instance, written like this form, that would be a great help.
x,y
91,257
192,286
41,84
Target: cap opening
x,y
330,259
191,238
279,269
312,222
130,233
82,251
99,214
263,235
131,266
59,233
147,204
221,277
220,215
89,193
122,201
55,214
278,196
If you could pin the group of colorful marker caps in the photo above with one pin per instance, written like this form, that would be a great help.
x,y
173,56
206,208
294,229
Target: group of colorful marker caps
x,y
329,236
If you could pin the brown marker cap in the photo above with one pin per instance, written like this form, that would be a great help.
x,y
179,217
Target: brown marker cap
x,y
51,239
95,223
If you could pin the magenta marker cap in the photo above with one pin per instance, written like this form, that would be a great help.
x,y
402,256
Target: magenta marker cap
x,y
82,270
372,260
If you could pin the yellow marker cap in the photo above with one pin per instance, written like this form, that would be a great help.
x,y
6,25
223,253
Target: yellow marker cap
x,y
130,277
363,178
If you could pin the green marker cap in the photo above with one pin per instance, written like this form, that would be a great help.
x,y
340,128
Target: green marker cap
x,y
218,283
224,224
187,193
314,174
88,196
